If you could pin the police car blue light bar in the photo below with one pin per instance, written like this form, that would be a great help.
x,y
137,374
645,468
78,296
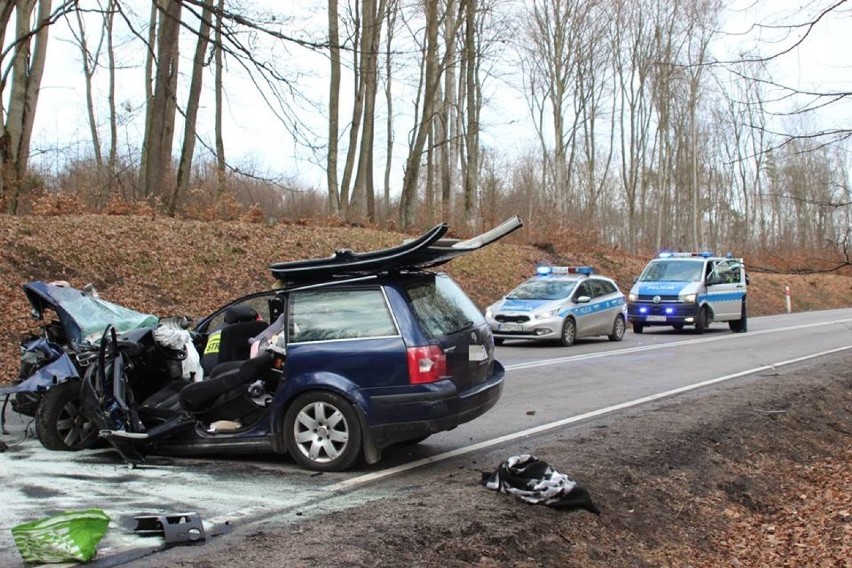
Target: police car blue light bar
x,y
545,270
704,254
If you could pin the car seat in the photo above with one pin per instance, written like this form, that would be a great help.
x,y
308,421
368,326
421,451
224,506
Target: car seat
x,y
231,343
241,324
224,396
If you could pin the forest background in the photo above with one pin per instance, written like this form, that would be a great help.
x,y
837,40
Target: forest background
x,y
637,123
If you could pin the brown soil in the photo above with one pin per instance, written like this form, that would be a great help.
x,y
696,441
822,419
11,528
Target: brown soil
x,y
756,474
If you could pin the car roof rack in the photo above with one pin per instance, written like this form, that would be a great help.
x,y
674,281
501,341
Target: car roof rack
x,y
426,251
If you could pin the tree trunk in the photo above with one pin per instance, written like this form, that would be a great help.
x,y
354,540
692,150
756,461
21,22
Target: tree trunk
x,y
27,71
189,131
159,137
218,90
333,109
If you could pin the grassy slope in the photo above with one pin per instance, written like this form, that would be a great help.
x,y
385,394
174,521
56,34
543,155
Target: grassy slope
x,y
175,267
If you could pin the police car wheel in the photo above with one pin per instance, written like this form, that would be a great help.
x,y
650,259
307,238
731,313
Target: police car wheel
x,y
569,333
617,329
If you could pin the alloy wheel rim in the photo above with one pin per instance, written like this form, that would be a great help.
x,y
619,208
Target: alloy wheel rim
x,y
321,432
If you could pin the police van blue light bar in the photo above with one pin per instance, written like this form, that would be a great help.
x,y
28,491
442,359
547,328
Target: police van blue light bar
x,y
704,254
545,270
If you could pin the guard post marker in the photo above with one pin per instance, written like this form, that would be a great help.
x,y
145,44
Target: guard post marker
x,y
787,299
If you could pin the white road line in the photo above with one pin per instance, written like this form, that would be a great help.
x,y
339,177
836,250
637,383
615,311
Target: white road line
x,y
354,482
640,348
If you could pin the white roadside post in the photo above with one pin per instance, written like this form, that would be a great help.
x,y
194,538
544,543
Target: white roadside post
x,y
787,298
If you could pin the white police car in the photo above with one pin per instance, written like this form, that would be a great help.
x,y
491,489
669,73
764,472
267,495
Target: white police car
x,y
560,303
690,288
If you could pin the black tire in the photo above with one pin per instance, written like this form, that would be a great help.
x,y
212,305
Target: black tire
x,y
618,328
701,321
60,425
638,327
569,333
322,432
740,325
678,326
498,341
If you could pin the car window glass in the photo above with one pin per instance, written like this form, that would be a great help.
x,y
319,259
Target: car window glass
x,y
322,315
728,272
260,303
679,270
541,289
583,289
598,287
442,307
608,287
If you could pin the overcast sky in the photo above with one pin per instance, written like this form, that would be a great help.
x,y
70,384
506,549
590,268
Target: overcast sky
x,y
254,137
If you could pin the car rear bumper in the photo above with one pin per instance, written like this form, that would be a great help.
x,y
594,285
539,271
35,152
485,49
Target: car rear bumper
x,y
416,415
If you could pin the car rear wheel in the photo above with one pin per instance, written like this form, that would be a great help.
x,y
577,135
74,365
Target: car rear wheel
x,y
322,432
60,425
637,327
498,341
569,333
618,328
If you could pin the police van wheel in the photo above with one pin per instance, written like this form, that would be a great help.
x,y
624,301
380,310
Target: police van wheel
x,y
740,325
569,333
617,329
498,341
637,327
678,326
701,321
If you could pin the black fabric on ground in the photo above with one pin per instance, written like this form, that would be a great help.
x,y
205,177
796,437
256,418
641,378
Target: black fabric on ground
x,y
535,481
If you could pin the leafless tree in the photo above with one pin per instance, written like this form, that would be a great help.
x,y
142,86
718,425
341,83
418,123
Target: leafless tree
x,y
191,114
23,63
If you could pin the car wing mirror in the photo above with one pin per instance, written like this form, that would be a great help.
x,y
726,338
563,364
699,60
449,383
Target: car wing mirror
x,y
583,299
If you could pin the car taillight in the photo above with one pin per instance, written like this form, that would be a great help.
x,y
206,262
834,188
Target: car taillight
x,y
426,364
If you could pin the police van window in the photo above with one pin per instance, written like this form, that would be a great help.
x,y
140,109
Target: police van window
x,y
729,272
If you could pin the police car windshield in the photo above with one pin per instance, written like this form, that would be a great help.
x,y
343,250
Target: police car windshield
x,y
673,271
542,290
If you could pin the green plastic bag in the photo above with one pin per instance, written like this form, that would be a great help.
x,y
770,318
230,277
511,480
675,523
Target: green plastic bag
x,y
66,537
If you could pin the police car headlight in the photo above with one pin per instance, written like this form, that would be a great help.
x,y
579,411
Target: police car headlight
x,y
546,314
687,298
631,297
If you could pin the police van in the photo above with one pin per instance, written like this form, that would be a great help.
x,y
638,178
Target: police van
x,y
689,288
560,303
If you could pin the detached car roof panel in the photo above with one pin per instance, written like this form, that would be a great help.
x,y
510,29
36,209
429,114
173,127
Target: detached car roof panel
x,y
426,251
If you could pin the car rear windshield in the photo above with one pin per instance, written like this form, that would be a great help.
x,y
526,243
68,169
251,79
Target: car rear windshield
x,y
441,307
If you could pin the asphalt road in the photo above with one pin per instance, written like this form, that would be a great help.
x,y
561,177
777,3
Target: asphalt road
x,y
547,388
